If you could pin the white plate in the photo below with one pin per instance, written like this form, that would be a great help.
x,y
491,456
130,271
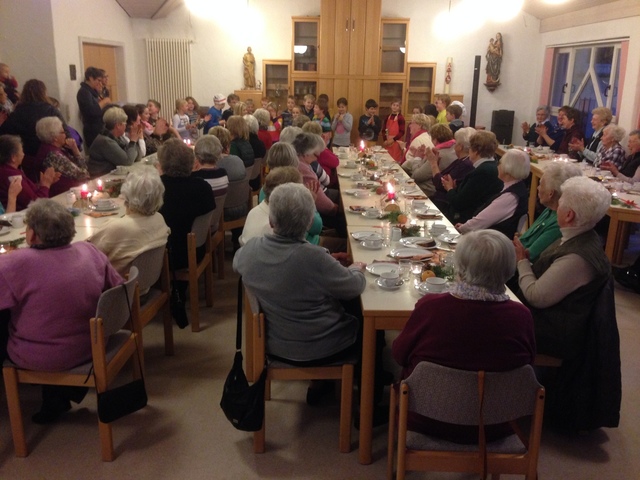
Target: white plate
x,y
351,167
424,288
368,184
413,241
384,287
449,238
362,194
357,177
355,191
357,212
107,208
367,247
379,268
373,214
377,148
362,234
409,252
345,175
4,230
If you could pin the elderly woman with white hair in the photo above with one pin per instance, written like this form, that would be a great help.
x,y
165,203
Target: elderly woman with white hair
x,y
142,228
289,134
600,118
545,230
473,327
420,138
299,286
61,153
208,151
51,290
263,119
610,153
561,286
543,118
107,151
231,163
630,169
502,212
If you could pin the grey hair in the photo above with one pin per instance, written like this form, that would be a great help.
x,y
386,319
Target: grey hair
x,y
312,127
300,120
422,120
289,134
51,222
545,109
48,128
208,149
556,173
263,117
463,136
252,123
280,176
617,132
282,155
176,159
113,116
291,210
516,163
143,191
306,143
485,258
589,200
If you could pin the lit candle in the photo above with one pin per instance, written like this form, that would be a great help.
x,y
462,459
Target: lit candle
x,y
99,185
361,145
84,191
391,192
2,250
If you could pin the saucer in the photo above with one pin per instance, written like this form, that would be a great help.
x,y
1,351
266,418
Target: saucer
x,y
367,247
105,208
384,287
424,289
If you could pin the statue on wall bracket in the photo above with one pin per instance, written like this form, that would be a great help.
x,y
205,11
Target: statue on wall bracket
x,y
249,62
494,62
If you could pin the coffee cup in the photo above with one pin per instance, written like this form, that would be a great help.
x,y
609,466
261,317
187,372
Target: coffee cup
x,y
546,149
17,221
11,177
351,164
372,241
390,279
438,228
436,284
103,203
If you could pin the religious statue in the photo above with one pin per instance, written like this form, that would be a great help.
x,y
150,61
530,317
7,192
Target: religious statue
x,y
249,62
494,61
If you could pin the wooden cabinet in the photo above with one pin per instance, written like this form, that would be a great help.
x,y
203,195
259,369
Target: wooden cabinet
x,y
275,74
350,37
306,31
304,86
420,82
388,92
393,46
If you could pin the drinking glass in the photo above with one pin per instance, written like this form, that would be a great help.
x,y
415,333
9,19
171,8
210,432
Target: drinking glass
x,y
404,269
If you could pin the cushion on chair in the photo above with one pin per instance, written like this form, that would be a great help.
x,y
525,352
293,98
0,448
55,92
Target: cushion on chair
x,y
418,441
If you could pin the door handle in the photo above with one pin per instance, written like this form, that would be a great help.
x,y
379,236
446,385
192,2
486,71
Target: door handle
x,y
606,90
346,25
353,25
564,88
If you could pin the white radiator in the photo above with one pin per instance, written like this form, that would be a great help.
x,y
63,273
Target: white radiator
x,y
169,70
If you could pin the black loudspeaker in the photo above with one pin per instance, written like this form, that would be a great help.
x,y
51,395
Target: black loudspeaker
x,y
474,93
502,125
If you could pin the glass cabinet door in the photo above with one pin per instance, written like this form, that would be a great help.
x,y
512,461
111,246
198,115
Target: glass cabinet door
x,y
305,45
420,86
389,92
393,47
304,87
276,83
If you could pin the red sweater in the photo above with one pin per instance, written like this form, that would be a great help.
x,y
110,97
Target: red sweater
x,y
30,191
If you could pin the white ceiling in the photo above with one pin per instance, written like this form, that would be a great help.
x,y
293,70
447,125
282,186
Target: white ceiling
x,y
153,9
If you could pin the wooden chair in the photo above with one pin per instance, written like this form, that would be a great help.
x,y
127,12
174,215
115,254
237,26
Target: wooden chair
x,y
217,234
111,347
256,172
277,370
200,235
238,194
155,285
467,398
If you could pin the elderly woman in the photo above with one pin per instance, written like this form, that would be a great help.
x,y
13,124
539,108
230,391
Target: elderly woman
x,y
503,211
308,146
61,153
561,286
529,132
444,149
600,118
185,198
231,163
107,151
257,144
327,160
208,150
264,119
628,171
479,185
11,156
299,286
419,129
142,228
545,230
481,330
51,290
457,170
289,134
610,153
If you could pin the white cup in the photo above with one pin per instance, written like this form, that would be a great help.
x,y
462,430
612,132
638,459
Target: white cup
x,y
546,149
438,228
372,241
103,202
11,177
390,279
436,284
351,163
17,221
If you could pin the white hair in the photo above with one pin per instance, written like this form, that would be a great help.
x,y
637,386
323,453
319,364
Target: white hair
x,y
48,128
252,123
617,132
556,173
291,210
289,134
589,200
143,191
516,163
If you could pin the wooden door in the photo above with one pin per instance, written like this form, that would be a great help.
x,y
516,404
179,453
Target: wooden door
x,y
359,40
104,57
327,45
342,34
371,52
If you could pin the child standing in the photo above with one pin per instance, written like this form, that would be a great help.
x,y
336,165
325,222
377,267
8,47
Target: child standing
x,y
454,112
287,115
342,124
307,108
442,102
393,131
321,115
181,119
370,125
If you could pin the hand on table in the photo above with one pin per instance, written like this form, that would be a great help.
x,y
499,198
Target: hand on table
x,y
360,266
343,258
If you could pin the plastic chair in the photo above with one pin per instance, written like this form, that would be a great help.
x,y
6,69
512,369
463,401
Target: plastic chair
x,y
217,234
155,285
111,346
277,370
200,235
467,398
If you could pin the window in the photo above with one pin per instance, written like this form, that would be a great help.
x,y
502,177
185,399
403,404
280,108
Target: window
x,y
586,77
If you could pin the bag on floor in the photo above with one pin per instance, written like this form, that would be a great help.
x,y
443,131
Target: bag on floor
x,y
121,401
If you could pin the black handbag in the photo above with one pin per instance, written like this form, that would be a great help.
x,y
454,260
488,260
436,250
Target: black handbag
x,y
125,399
243,404
176,304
